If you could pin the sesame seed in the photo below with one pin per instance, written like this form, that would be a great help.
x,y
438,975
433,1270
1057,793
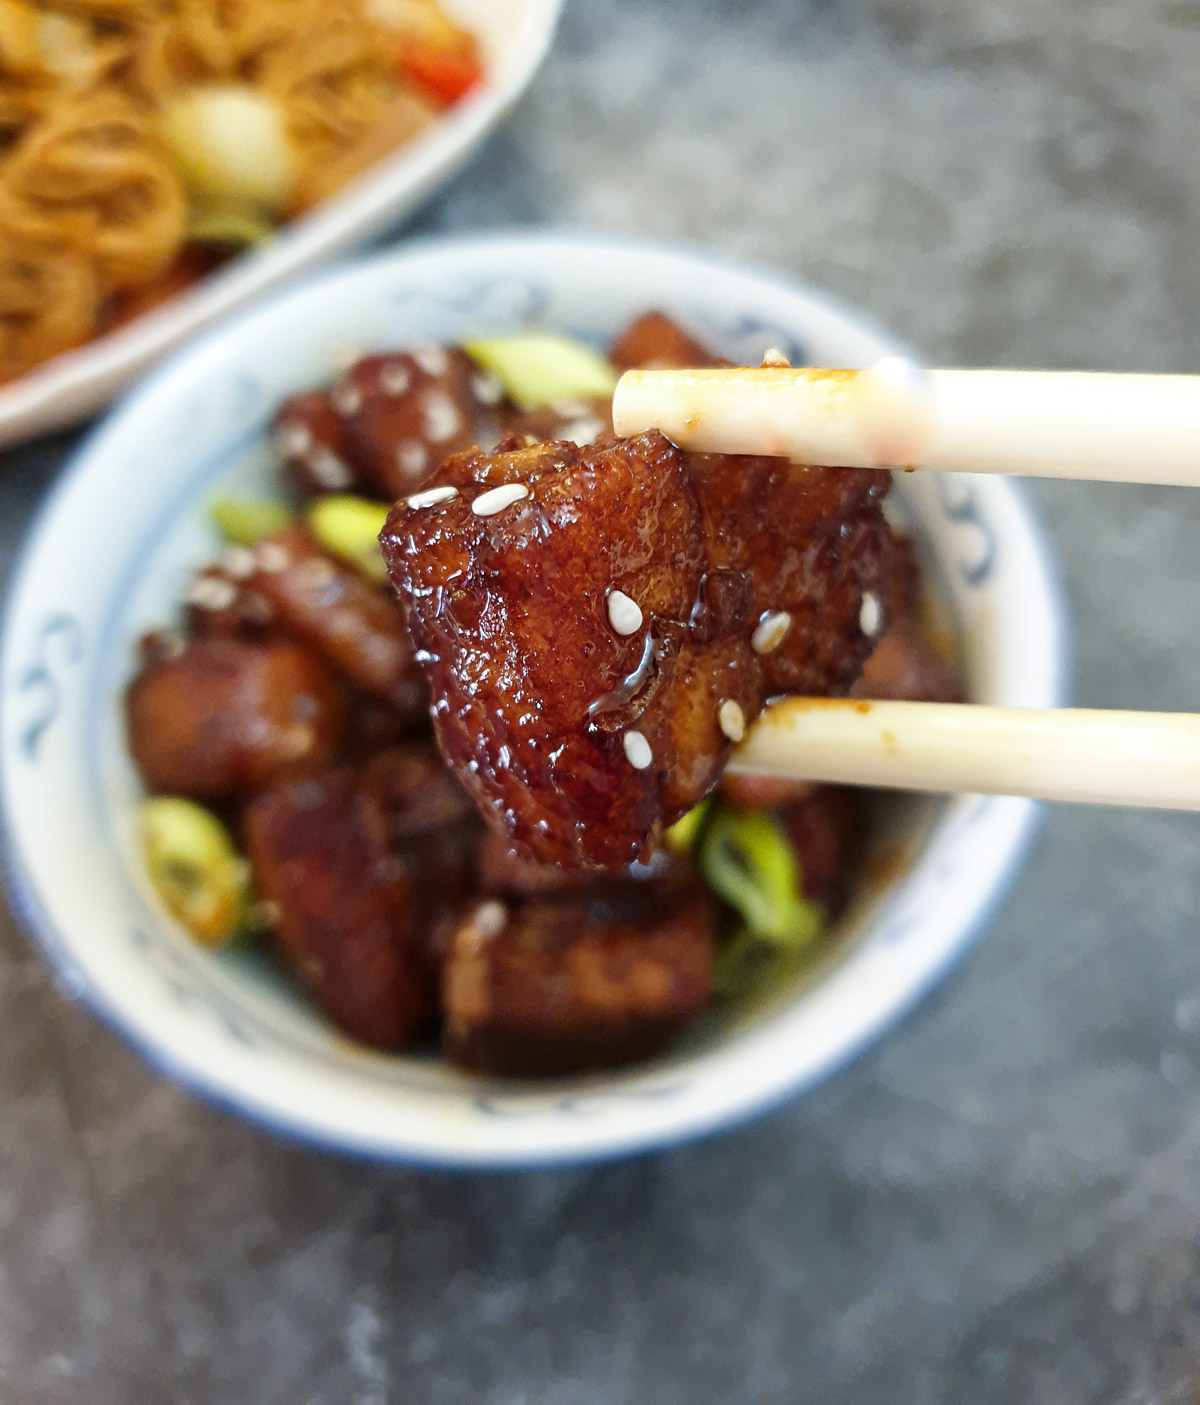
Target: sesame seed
x,y
432,496
394,379
624,613
255,608
296,741
412,456
328,470
497,499
347,398
442,420
770,632
583,431
637,750
488,390
775,358
271,558
211,593
266,913
870,617
732,720
490,919
316,573
292,439
432,360
238,562
391,869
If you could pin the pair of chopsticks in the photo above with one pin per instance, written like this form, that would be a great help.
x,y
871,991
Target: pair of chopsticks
x,y
1045,424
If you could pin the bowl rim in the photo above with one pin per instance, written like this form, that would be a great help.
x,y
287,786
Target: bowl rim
x,y
1020,817
76,384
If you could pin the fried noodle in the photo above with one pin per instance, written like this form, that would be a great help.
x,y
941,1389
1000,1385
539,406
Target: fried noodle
x,y
92,199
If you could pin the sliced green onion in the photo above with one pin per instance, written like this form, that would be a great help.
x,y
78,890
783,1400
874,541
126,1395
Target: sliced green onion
x,y
195,869
247,520
239,226
538,369
749,861
747,966
742,965
684,834
348,527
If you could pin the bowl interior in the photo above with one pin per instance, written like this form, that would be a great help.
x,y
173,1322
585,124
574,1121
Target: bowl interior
x,y
109,560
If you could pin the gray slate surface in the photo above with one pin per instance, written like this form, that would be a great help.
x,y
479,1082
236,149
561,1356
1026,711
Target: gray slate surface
x,y
1000,1203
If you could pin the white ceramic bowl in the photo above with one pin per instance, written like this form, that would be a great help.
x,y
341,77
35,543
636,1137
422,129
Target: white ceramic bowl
x,y
108,558
515,35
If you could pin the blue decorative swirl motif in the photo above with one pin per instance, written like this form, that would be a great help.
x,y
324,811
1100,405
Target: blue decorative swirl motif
x,y
593,1104
960,503
181,985
508,300
40,679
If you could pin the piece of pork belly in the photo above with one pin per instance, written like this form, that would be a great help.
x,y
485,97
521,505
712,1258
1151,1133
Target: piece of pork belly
x,y
354,625
569,985
227,716
347,915
600,625
580,422
653,341
403,412
309,438
826,827
431,832
905,665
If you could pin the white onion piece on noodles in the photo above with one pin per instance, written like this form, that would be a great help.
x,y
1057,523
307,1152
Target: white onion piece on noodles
x,y
232,145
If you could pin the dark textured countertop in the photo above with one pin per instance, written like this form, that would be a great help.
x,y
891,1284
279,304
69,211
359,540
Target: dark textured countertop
x,y
1000,1202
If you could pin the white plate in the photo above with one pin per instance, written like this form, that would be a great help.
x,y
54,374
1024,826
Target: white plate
x,y
515,35
108,559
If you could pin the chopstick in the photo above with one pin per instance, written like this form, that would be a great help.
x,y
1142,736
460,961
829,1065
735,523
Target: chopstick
x,y
1046,424
1147,759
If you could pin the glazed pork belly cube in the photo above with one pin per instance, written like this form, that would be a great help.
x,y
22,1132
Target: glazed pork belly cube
x,y
600,625
403,412
653,341
503,871
355,867
580,422
336,918
311,441
826,828
430,829
351,623
905,666
228,716
575,984
762,792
